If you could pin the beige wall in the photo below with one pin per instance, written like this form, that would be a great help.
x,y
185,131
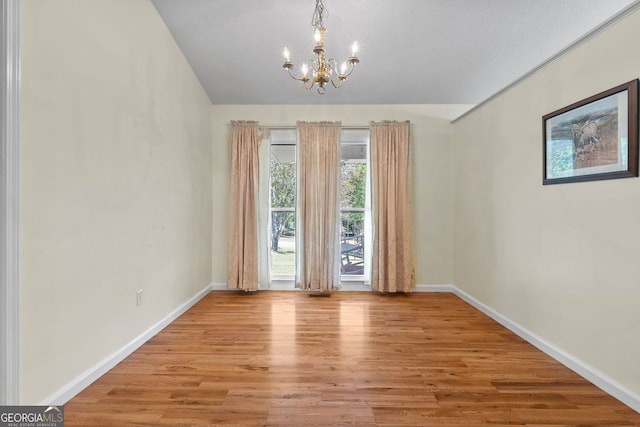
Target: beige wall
x,y
431,134
115,184
560,260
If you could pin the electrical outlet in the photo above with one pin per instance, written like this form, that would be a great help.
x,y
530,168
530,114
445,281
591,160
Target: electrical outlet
x,y
139,298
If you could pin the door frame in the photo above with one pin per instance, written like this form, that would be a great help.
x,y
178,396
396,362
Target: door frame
x,y
9,202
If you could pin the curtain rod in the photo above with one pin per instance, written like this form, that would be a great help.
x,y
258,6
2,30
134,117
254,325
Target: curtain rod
x,y
282,127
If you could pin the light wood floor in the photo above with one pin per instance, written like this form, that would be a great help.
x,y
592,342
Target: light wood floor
x,y
355,358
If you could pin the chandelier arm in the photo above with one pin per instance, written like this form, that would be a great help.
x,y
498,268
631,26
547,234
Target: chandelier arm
x,y
301,79
308,84
348,71
333,66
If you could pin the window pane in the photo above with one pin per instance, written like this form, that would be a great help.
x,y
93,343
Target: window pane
x,y
352,241
283,176
283,243
353,176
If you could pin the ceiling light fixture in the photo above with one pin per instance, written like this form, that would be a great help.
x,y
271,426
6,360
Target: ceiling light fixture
x,y
322,70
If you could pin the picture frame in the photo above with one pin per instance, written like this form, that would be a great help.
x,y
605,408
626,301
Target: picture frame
x,y
593,139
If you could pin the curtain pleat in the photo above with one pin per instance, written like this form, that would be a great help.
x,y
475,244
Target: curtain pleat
x,y
242,268
392,267
318,209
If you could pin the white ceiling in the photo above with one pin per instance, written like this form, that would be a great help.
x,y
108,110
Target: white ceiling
x,y
411,51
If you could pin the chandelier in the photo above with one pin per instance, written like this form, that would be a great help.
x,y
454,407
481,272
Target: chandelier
x,y
320,71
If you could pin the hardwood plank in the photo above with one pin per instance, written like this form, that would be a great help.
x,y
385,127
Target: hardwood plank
x,y
285,359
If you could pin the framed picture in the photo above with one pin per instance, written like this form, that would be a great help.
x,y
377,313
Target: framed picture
x,y
596,138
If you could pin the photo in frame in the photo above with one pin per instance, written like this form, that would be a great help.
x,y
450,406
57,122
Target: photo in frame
x,y
593,139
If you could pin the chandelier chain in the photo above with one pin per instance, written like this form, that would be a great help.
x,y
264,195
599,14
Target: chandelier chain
x,y
318,15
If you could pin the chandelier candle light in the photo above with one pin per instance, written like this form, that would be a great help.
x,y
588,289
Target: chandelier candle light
x,y
322,70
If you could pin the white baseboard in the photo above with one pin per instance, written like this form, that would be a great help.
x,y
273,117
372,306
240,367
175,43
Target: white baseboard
x,y
435,288
279,285
588,372
74,387
218,287
354,286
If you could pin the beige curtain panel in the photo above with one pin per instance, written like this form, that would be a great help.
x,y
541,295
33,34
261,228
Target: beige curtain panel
x,y
242,268
392,268
318,209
